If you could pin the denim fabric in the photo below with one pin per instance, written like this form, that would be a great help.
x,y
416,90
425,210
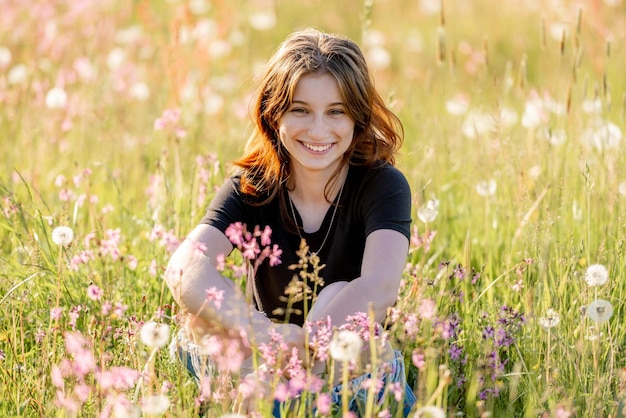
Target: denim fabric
x,y
394,372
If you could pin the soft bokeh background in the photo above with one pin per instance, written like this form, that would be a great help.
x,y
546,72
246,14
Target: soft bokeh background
x,y
514,114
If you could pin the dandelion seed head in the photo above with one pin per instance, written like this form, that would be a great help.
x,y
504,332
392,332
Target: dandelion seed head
x,y
622,188
596,275
430,412
62,235
262,20
56,98
458,105
428,212
486,188
600,310
551,319
155,404
18,74
154,335
345,345
5,56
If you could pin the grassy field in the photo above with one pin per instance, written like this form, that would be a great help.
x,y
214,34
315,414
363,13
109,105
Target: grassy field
x,y
514,112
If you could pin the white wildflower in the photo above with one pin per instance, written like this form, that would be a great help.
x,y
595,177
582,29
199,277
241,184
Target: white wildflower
x,y
154,335
477,123
155,404
56,98
577,211
428,212
345,346
263,20
600,310
139,91
18,74
622,188
430,412
5,57
487,187
62,235
551,319
458,105
596,275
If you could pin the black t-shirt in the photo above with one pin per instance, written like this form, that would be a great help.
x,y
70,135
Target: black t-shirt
x,y
372,199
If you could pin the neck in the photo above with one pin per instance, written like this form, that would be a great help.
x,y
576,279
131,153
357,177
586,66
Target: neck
x,y
311,186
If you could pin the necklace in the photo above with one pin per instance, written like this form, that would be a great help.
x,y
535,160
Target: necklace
x,y
332,220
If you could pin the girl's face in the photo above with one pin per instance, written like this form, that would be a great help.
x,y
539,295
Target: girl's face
x,y
316,129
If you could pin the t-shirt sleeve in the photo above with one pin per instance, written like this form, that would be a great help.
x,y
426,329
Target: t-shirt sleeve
x,y
387,202
227,206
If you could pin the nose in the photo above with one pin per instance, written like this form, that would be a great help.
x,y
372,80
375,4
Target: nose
x,y
319,128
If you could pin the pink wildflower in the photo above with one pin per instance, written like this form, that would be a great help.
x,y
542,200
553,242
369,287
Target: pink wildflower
x,y
216,296
56,313
418,360
220,262
120,309
199,248
250,250
323,403
106,308
235,233
281,393
152,269
275,256
427,309
266,236
94,292
132,262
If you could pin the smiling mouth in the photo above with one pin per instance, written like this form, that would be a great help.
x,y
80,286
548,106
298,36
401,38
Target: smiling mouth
x,y
317,148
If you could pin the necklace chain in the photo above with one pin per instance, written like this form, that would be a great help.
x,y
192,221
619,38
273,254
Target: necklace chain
x,y
332,220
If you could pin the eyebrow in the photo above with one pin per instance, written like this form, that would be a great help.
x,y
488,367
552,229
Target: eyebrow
x,y
331,104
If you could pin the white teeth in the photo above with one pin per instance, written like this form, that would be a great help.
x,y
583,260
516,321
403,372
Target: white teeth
x,y
317,148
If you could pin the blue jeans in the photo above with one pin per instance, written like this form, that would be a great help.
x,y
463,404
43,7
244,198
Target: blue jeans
x,y
198,365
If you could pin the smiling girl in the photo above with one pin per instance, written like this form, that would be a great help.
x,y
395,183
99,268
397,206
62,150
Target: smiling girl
x,y
319,168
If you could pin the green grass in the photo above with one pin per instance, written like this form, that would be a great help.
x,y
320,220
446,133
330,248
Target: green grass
x,y
557,207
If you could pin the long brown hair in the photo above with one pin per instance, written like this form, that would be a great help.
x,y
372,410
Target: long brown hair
x,y
378,133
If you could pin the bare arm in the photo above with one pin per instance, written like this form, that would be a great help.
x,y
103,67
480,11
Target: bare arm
x,y
384,259
190,273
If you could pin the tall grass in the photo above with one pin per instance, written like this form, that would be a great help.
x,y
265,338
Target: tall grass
x,y
513,119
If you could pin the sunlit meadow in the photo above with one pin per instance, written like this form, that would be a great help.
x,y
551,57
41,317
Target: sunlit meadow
x,y
119,118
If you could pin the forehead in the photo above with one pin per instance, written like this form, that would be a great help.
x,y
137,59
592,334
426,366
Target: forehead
x,y
322,85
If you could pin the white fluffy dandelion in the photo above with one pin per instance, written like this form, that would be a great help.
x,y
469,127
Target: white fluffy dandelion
x,y
487,187
428,212
155,404
62,235
56,98
154,335
551,319
622,188
596,275
600,310
345,346
430,412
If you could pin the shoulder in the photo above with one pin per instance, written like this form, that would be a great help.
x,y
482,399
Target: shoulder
x,y
382,175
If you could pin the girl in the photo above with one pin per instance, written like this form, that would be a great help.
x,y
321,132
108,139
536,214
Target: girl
x,y
318,168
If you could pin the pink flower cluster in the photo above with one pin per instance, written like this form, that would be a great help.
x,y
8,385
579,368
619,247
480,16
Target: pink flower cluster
x,y
248,243
78,376
106,247
165,237
170,121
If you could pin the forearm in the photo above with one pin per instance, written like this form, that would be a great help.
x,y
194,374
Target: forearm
x,y
347,298
190,275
